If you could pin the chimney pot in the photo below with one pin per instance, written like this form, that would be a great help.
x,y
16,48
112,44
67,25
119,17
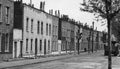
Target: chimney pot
x,y
55,13
51,11
40,5
31,2
58,13
43,7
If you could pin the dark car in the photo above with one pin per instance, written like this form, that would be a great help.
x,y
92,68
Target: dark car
x,y
114,47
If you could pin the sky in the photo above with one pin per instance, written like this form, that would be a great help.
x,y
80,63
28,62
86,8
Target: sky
x,y
69,7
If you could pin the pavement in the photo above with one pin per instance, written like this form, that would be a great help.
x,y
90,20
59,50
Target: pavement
x,y
22,62
115,63
87,65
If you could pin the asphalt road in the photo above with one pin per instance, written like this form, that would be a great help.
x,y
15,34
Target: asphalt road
x,y
88,61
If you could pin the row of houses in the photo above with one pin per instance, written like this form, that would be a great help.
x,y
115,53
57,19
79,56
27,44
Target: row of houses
x,y
26,31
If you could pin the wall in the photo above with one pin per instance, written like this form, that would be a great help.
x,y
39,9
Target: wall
x,y
6,28
55,21
36,15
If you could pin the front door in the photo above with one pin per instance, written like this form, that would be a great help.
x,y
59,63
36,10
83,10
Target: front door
x,y
35,48
21,44
15,51
45,46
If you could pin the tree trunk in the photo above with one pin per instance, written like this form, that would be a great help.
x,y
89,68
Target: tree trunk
x,y
109,43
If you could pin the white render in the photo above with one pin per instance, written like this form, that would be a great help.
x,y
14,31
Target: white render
x,y
17,34
17,37
36,15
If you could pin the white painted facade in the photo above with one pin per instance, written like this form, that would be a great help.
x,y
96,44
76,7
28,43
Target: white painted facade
x,y
17,38
29,36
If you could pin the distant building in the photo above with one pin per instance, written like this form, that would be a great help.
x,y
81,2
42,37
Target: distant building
x,y
36,26
6,28
78,29
85,36
66,34
54,46
102,39
75,36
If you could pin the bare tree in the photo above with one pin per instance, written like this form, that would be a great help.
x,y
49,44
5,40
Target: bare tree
x,y
107,9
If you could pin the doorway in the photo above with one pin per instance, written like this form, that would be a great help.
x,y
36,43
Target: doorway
x,y
21,45
15,51
35,48
45,46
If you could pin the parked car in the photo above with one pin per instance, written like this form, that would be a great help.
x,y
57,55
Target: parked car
x,y
114,48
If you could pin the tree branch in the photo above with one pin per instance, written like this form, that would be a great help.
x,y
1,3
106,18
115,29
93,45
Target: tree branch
x,y
115,13
101,11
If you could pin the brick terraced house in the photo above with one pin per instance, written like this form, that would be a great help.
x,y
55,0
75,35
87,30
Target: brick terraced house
x,y
6,28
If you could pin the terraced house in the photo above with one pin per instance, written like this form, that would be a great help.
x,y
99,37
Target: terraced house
x,y
66,34
6,28
55,20
36,26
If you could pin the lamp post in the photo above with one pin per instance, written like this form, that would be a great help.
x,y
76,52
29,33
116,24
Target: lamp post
x,y
92,36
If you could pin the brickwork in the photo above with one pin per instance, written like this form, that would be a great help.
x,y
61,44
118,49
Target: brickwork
x,y
6,28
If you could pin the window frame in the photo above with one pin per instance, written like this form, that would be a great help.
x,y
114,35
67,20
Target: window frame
x,y
7,42
32,25
27,23
7,14
42,27
38,27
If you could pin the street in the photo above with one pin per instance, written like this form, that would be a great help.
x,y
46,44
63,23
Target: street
x,y
87,61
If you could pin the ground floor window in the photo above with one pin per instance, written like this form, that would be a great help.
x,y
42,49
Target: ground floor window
x,y
7,43
26,45
31,45
48,44
40,45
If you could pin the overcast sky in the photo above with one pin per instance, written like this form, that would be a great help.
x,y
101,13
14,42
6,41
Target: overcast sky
x,y
68,7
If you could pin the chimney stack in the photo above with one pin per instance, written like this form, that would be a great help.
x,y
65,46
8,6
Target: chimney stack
x,y
30,2
51,11
43,6
58,13
55,12
40,5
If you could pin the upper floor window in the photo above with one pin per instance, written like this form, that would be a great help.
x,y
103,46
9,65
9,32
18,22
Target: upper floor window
x,y
27,21
56,30
38,27
7,9
46,29
41,27
0,13
31,25
53,30
49,29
